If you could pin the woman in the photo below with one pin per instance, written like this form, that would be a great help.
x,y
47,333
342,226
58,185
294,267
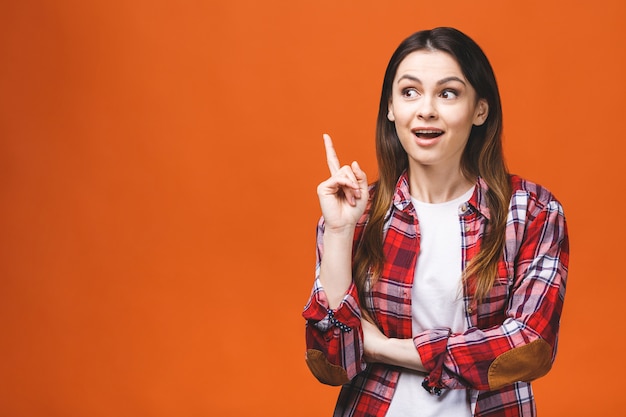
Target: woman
x,y
439,288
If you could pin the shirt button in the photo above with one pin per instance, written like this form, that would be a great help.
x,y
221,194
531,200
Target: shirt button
x,y
467,228
470,310
463,208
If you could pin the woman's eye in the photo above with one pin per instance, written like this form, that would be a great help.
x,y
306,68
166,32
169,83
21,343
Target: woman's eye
x,y
449,94
409,93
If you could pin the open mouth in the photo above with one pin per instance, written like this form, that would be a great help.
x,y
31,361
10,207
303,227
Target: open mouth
x,y
428,133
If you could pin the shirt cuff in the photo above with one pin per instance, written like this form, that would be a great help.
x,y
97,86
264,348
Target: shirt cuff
x,y
346,316
432,346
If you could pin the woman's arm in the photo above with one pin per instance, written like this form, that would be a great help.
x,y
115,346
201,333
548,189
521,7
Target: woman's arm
x,y
379,348
523,346
343,198
335,273
333,334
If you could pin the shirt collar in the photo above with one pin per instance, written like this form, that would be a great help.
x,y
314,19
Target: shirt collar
x,y
478,201
402,196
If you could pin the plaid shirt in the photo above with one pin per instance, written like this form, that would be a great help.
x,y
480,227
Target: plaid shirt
x,y
511,337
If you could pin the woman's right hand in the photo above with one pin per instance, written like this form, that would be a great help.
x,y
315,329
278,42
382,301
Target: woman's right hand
x,y
343,197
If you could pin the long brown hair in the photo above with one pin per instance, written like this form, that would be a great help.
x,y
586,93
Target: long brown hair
x,y
482,157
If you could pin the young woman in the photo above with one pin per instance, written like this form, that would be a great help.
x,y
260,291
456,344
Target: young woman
x,y
439,288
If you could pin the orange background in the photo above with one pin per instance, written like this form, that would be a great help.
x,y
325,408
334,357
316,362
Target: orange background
x,y
158,165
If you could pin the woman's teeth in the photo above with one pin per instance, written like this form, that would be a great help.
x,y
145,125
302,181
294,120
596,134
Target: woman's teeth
x,y
428,134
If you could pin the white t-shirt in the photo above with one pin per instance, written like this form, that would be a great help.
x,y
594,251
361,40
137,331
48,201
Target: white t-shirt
x,y
436,301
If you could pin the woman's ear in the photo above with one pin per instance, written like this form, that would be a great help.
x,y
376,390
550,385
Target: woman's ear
x,y
482,111
390,115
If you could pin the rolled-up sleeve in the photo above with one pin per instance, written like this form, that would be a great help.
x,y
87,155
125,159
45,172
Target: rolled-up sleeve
x,y
334,338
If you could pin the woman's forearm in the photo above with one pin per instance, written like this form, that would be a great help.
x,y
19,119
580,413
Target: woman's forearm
x,y
336,264
382,349
401,352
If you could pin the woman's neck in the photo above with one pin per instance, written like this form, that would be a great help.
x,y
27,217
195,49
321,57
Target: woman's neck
x,y
436,185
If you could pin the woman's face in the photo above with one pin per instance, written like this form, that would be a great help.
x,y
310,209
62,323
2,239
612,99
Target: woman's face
x,y
434,107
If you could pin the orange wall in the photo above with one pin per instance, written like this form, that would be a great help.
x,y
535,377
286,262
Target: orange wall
x,y
158,165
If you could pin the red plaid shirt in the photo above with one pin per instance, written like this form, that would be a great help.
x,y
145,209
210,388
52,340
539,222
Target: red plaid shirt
x,y
511,337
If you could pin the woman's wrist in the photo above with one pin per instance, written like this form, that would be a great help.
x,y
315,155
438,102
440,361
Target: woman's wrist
x,y
340,231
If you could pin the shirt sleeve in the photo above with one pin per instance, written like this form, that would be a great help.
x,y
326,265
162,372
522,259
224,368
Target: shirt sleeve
x,y
523,346
334,338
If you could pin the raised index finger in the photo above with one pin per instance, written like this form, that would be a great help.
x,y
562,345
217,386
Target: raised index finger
x,y
331,155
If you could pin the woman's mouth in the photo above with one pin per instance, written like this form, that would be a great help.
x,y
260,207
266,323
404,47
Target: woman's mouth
x,y
428,133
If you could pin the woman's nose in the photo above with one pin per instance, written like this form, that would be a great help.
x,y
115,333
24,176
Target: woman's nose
x,y
426,109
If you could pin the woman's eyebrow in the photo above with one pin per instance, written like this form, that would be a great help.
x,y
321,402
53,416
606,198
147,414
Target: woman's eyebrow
x,y
448,79
442,81
409,77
